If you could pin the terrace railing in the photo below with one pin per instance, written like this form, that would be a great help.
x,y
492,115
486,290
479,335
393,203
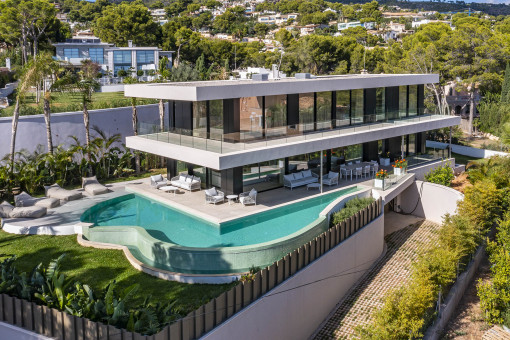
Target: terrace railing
x,y
218,142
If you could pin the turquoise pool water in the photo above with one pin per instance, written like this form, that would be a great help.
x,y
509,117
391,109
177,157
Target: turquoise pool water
x,y
171,225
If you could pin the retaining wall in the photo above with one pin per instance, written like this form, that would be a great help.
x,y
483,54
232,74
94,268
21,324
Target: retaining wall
x,y
32,129
467,150
422,170
428,200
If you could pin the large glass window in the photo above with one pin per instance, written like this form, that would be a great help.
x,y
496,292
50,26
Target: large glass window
x,y
380,104
71,53
306,104
96,55
357,107
200,119
343,105
324,110
276,115
117,68
413,100
122,57
216,118
402,101
263,176
144,57
251,117
345,154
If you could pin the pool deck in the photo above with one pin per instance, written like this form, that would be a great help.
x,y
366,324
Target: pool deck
x,y
65,219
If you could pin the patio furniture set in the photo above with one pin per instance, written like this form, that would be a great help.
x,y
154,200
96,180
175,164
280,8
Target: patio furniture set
x,y
27,206
212,195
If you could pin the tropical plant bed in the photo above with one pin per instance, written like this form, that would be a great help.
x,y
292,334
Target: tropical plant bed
x,y
99,267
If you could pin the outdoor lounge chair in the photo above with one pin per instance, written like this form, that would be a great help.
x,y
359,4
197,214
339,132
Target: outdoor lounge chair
x,y
55,191
249,197
92,186
214,196
331,178
9,211
25,200
157,181
186,182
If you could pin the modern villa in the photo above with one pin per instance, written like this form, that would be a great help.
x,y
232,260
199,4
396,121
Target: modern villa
x,y
242,134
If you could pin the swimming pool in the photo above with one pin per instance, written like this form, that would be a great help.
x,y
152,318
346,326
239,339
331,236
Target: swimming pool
x,y
167,238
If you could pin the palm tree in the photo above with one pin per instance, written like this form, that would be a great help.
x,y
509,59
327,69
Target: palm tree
x,y
133,80
42,68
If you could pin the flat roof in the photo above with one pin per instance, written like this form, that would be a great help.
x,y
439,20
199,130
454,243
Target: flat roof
x,y
225,89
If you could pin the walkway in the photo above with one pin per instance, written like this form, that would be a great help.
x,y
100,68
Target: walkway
x,y
390,272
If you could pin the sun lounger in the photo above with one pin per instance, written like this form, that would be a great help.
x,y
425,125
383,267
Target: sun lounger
x,y
5,209
25,200
92,186
28,212
55,191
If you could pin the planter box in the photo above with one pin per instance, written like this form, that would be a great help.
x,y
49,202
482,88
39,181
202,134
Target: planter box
x,y
379,183
399,171
385,161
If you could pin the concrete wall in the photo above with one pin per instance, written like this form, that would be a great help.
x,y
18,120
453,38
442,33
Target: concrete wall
x,y
429,200
421,171
8,89
467,151
112,88
300,304
32,129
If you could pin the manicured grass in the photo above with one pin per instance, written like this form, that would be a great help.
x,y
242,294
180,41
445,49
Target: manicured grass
x,y
461,159
98,267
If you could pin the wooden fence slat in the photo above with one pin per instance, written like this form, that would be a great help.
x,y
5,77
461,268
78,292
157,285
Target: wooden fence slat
x,y
313,245
264,273
271,277
332,237
91,330
301,257
38,318
28,322
247,293
161,335
128,336
137,336
286,267
57,324
231,300
79,327
238,290
327,240
342,231
221,309
187,327
18,312
257,283
209,315
2,314
294,262
306,254
102,331
279,271
175,330
353,225
199,321
48,321
8,308
68,326
319,249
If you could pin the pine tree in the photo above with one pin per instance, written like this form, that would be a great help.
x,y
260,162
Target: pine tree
x,y
505,88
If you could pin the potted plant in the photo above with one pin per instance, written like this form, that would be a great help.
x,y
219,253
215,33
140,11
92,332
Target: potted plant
x,y
385,159
400,166
380,176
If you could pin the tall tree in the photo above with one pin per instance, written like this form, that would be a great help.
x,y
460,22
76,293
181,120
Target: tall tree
x,y
505,87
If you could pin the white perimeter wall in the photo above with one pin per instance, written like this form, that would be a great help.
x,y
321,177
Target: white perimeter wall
x,y
32,129
295,308
466,150
431,200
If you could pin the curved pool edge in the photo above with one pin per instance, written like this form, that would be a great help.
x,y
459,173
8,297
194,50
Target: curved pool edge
x,y
160,273
231,261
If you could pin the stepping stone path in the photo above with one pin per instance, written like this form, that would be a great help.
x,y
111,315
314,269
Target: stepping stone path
x,y
390,272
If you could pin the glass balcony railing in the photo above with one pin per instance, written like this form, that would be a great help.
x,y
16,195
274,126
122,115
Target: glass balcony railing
x,y
216,141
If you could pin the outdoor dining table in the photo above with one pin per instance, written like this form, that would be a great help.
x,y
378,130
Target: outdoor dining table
x,y
350,168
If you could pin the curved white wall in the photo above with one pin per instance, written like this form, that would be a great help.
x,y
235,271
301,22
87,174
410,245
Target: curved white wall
x,y
430,201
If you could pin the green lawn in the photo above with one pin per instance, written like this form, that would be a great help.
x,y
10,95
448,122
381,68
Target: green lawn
x,y
98,267
461,159
62,102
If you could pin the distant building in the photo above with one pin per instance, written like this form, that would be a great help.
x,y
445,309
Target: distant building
x,y
111,59
345,25
277,19
458,99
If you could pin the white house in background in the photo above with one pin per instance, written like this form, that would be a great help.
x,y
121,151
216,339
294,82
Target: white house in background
x,y
108,56
277,18
345,25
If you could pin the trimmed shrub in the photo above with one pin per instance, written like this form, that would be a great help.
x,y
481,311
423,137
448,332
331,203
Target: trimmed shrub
x,y
351,207
443,175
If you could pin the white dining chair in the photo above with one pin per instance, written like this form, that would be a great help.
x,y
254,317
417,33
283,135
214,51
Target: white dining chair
x,y
359,172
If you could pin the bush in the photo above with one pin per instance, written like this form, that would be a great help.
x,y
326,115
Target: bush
x,y
482,204
139,73
441,175
351,207
121,73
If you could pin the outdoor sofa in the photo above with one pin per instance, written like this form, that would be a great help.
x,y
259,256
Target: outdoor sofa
x,y
25,200
298,179
249,197
214,196
55,191
157,181
186,182
9,211
92,186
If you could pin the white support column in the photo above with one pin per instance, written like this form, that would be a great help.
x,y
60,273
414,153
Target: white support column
x,y
321,169
402,148
450,144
